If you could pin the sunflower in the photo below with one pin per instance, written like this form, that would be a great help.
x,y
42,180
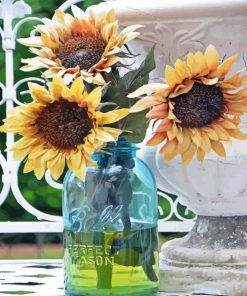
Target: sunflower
x,y
61,126
79,45
197,110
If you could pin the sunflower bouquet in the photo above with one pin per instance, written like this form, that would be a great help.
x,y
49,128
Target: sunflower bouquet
x,y
83,105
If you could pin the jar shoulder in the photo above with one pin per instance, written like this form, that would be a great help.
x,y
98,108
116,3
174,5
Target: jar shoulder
x,y
137,167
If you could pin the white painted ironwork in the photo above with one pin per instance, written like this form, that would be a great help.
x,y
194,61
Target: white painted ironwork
x,y
10,10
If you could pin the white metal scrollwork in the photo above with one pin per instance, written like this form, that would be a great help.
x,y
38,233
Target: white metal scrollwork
x,y
10,10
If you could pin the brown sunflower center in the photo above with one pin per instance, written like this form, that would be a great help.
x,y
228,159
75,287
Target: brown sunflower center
x,y
64,125
200,106
82,51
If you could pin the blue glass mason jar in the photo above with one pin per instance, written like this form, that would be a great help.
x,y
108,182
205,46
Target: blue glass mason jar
x,y
110,227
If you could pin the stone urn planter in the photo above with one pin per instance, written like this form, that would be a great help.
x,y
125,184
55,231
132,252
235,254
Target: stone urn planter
x,y
214,253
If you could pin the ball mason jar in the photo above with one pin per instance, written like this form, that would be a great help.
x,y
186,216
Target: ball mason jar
x,y
110,226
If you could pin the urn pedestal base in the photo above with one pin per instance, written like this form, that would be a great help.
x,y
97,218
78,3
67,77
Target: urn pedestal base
x,y
213,256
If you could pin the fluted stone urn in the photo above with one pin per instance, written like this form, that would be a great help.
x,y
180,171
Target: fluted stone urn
x,y
214,253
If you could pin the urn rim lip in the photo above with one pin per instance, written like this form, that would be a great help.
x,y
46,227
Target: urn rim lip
x,y
169,9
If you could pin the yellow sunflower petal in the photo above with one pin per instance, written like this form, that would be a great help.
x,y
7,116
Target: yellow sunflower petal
x,y
74,160
197,63
47,41
170,156
60,15
39,93
50,154
19,154
200,155
211,133
188,154
145,103
172,77
94,97
115,132
196,136
77,87
128,37
227,123
169,147
69,77
182,69
56,87
164,126
209,81
77,12
89,147
31,41
234,81
39,168
156,139
221,132
58,167
237,107
103,135
218,148
38,151
200,60
158,112
225,67
173,132
110,16
236,120
131,28
171,115
206,143
29,166
182,88
24,142
68,94
111,116
184,146
81,172
236,133
149,89
212,57
110,30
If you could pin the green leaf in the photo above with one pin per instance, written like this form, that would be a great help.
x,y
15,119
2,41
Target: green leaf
x,y
148,65
137,123
117,92
137,248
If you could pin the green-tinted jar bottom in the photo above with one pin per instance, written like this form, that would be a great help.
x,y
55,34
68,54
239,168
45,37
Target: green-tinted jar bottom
x,y
114,292
122,285
131,270
110,294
